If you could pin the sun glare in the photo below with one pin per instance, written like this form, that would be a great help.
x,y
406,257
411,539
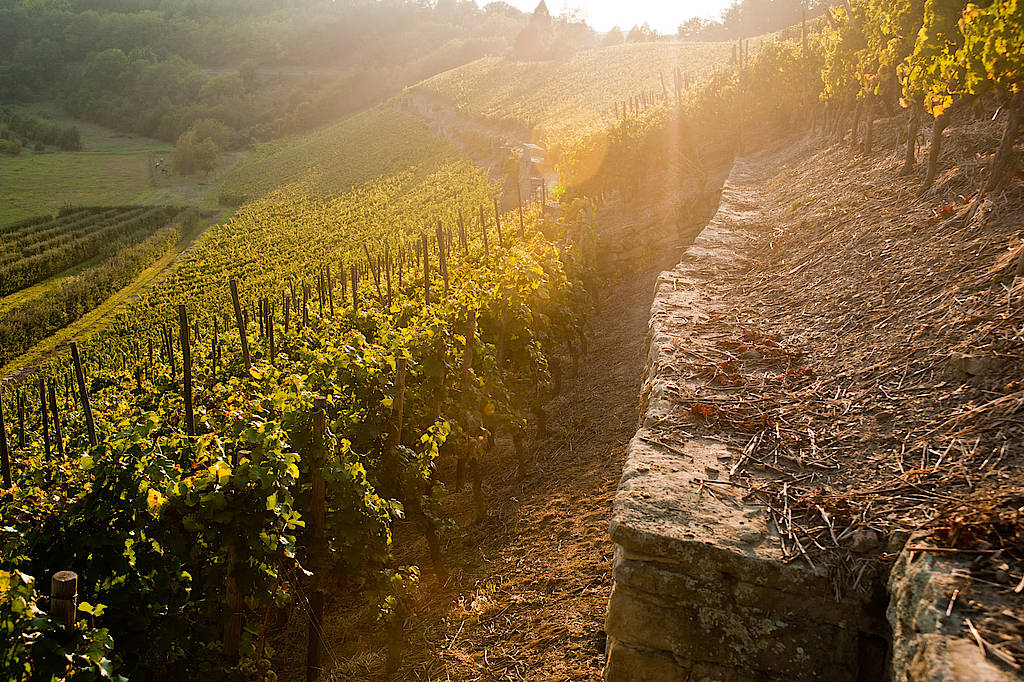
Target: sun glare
x,y
663,16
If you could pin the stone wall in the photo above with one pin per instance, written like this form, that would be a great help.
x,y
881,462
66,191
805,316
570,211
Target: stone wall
x,y
701,588
701,591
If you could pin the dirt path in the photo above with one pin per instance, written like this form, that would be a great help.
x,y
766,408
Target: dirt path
x,y
528,587
477,139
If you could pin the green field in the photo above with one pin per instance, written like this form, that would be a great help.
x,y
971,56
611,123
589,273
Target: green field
x,y
112,168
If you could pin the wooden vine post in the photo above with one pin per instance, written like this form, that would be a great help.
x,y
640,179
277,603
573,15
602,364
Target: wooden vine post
x,y
330,291
240,323
186,370
64,598
270,333
235,603
5,453
387,271
305,305
213,350
56,420
462,234
318,521
90,425
442,256
497,222
467,380
426,269
355,293
46,421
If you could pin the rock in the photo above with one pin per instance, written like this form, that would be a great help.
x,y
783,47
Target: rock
x,y
863,540
897,541
966,366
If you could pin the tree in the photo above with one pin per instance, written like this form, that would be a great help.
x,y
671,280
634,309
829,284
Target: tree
x,y
205,155
191,155
534,41
613,37
641,34
692,28
70,140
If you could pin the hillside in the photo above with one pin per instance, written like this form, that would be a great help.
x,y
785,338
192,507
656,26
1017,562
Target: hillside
x,y
560,100
374,143
656,361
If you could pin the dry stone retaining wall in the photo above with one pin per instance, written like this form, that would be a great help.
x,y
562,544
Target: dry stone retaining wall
x,y
701,591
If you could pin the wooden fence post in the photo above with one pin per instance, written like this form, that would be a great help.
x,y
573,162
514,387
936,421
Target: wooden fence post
x,y
186,370
90,426
240,323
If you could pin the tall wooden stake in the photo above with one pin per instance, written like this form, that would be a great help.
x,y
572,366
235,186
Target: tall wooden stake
x,y
240,323
83,393
56,420
46,421
317,510
5,453
186,370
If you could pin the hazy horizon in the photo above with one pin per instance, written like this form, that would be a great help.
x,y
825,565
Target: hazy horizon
x,y
602,15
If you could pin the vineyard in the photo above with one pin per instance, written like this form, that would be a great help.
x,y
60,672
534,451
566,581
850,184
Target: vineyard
x,y
39,248
373,143
70,264
373,325
564,99
188,432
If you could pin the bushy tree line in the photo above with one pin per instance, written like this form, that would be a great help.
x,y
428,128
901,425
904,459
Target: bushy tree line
x,y
40,131
746,18
262,69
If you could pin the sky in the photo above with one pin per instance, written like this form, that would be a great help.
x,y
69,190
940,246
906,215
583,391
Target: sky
x,y
663,15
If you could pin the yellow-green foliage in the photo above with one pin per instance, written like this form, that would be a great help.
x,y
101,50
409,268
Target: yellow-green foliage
x,y
565,99
993,51
294,230
368,145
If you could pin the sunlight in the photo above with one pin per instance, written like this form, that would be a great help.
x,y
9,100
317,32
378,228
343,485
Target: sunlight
x,y
602,15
